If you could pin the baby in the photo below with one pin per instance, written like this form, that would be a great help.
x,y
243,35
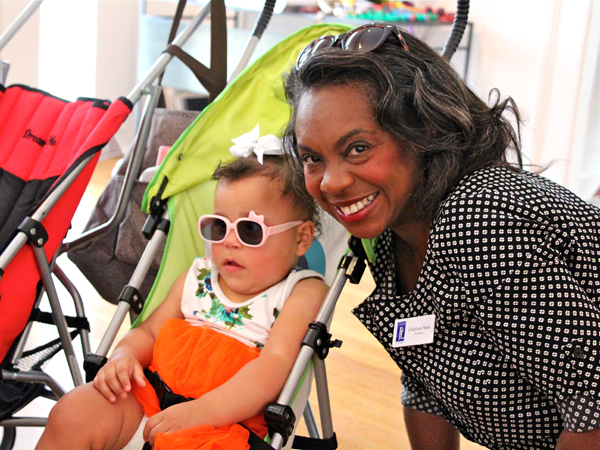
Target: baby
x,y
212,355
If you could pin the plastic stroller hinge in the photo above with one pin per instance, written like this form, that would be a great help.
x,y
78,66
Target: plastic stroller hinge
x,y
319,339
155,220
92,364
35,231
355,261
132,296
280,419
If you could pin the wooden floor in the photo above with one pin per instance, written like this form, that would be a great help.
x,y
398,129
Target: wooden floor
x,y
363,381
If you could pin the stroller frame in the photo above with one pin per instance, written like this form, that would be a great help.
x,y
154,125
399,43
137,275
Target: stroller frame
x,y
318,342
315,348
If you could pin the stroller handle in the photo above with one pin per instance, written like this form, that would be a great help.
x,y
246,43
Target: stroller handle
x,y
161,63
21,19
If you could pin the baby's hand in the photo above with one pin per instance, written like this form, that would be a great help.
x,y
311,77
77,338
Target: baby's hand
x,y
114,379
174,418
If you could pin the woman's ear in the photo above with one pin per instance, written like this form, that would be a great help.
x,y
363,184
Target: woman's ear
x,y
306,233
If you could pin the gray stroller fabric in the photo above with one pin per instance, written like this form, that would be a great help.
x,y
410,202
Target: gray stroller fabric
x,y
109,261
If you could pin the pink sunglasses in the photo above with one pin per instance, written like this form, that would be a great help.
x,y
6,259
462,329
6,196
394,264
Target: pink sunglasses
x,y
250,231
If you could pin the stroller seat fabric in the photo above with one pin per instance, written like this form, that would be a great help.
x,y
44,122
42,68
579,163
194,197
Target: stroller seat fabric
x,y
42,139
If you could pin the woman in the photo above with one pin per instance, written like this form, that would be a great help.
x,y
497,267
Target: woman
x,y
487,275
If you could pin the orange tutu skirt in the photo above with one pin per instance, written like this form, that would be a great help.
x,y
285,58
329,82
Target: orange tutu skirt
x,y
192,361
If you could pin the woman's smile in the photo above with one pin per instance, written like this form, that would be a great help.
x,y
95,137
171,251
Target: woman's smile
x,y
353,208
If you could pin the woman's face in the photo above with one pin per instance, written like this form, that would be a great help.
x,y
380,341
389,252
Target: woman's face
x,y
354,168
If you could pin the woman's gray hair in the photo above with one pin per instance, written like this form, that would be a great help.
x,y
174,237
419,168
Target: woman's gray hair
x,y
423,103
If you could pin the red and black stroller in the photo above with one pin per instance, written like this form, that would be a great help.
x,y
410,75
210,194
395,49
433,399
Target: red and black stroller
x,y
48,150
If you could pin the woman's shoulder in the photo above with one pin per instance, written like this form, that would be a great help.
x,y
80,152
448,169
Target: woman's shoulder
x,y
516,194
512,213
498,182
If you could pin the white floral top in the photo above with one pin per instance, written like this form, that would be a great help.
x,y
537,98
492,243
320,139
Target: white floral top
x,y
203,302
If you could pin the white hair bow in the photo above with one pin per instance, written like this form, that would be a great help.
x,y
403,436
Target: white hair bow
x,y
252,142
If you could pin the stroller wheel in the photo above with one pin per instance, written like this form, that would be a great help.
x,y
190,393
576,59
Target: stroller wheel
x,y
8,438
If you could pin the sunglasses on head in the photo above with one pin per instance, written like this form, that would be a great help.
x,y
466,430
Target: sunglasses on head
x,y
366,38
251,231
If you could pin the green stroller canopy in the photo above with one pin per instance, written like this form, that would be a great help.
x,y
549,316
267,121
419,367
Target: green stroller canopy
x,y
255,97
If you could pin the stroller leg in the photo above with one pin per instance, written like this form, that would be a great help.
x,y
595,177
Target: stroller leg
x,y
311,424
323,396
59,318
74,293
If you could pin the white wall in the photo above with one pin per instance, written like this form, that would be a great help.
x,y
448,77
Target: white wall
x,y
116,56
68,34
103,40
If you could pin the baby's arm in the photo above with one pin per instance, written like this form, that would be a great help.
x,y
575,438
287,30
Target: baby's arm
x,y
259,382
134,352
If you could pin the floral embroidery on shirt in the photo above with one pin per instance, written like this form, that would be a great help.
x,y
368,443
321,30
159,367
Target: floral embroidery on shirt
x,y
204,284
231,317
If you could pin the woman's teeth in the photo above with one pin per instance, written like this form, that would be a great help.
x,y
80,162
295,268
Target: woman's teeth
x,y
356,207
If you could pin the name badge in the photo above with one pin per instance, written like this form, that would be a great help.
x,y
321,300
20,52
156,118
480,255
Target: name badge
x,y
414,331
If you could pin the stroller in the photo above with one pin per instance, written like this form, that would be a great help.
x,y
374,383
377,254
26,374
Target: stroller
x,y
48,150
61,142
182,190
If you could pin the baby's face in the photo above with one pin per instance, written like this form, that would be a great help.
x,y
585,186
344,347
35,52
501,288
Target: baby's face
x,y
247,271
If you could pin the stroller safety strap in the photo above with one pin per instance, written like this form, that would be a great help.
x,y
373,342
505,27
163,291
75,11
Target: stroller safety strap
x,y
166,397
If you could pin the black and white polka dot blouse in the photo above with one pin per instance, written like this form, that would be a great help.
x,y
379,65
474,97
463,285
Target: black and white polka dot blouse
x,y
512,274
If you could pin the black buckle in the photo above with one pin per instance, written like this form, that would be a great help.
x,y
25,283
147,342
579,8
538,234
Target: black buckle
x,y
166,397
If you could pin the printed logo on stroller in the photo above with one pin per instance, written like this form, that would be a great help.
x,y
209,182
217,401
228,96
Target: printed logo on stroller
x,y
39,141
